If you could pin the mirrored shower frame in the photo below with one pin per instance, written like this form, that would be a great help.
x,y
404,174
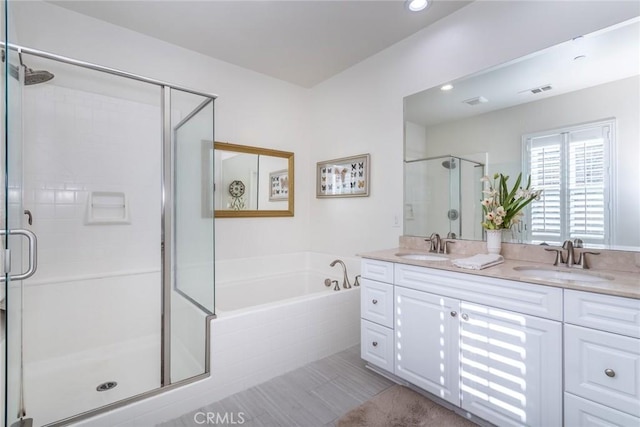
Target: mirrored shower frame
x,y
167,231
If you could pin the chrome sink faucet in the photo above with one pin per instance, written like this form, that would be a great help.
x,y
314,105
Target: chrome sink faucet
x,y
568,246
570,259
436,242
439,245
345,280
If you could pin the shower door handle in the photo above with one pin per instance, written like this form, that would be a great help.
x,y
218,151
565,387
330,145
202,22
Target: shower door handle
x,y
33,255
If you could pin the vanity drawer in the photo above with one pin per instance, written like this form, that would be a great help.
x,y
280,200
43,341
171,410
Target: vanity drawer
x,y
381,271
603,367
605,312
376,345
526,298
376,302
585,413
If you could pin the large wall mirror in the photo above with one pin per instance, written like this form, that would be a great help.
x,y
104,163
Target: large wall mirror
x,y
248,181
569,116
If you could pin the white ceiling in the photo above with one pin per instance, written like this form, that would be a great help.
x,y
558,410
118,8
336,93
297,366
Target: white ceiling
x,y
303,42
609,55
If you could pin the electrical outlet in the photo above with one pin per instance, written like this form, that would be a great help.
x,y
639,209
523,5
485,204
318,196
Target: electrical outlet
x,y
396,221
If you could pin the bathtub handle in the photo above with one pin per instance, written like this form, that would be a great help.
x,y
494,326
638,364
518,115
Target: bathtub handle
x,y
375,343
375,301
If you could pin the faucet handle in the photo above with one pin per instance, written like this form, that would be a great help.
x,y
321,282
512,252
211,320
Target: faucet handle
x,y
559,258
357,281
445,248
582,259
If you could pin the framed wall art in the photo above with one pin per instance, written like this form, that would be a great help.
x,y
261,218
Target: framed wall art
x,y
279,185
346,177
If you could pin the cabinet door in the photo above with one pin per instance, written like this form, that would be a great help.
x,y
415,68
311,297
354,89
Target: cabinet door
x,y
511,367
427,348
603,367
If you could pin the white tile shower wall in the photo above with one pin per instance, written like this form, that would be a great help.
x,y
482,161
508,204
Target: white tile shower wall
x,y
77,142
64,318
96,284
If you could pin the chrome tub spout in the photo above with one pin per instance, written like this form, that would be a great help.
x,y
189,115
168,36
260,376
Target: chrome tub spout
x,y
345,281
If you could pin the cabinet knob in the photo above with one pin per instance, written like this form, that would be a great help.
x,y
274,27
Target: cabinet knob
x,y
465,316
375,343
374,301
454,313
610,373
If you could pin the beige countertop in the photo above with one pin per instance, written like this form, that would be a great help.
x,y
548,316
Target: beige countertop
x,y
624,284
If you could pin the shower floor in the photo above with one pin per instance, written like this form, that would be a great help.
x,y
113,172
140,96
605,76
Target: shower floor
x,y
59,388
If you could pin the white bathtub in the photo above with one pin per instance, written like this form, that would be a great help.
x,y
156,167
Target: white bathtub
x,y
274,322
256,292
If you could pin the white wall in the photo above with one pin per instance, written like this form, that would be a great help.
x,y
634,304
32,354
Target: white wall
x,y
252,109
360,110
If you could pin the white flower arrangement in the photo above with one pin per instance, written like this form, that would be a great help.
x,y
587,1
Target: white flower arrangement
x,y
502,207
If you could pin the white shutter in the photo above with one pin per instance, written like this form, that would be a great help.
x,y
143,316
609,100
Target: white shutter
x,y
571,167
545,168
587,185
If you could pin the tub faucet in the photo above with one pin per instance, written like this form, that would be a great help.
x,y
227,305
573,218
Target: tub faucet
x,y
345,281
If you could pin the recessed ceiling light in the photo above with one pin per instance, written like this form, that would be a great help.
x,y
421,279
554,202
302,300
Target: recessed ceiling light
x,y
417,5
446,87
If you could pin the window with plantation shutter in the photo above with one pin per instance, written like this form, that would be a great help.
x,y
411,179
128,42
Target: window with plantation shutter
x,y
571,166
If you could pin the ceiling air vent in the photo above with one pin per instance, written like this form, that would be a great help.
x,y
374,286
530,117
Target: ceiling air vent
x,y
540,89
476,101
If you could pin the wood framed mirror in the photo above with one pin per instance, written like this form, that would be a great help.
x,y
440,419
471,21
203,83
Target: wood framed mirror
x,y
247,182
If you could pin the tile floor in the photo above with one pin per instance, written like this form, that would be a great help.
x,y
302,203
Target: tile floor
x,y
314,395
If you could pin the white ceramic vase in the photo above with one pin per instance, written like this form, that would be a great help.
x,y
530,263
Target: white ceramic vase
x,y
494,241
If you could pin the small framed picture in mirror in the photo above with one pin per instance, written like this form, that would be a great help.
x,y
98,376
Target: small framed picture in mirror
x,y
279,185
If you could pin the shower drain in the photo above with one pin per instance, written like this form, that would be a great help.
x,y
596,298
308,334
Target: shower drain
x,y
107,386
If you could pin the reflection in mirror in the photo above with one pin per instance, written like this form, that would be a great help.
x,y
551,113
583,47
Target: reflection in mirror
x,y
567,115
248,181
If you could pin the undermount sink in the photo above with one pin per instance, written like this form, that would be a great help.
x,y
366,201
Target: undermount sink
x,y
561,274
423,257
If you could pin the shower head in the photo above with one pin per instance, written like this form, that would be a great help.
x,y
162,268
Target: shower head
x,y
34,77
31,77
449,164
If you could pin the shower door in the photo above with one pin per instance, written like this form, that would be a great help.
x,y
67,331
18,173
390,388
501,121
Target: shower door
x,y
13,245
91,179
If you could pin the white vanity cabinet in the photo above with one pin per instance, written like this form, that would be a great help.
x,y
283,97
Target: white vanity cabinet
x,y
602,360
457,337
376,312
427,344
490,346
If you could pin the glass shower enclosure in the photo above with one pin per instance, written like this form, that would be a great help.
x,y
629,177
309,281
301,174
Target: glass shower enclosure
x,y
108,262
428,209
